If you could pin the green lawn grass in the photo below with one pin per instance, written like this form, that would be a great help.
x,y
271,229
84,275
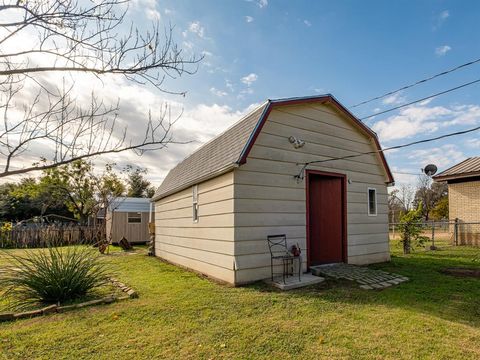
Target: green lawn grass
x,y
180,315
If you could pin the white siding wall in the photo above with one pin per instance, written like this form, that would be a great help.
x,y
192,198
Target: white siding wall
x,y
268,200
207,245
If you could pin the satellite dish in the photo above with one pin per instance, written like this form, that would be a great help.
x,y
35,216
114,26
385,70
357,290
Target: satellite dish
x,y
430,169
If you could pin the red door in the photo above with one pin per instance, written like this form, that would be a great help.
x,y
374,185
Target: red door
x,y
325,218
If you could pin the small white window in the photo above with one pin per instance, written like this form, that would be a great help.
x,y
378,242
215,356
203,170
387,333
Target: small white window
x,y
372,202
134,217
195,202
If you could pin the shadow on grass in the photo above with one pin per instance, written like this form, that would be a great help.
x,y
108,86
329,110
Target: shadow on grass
x,y
428,291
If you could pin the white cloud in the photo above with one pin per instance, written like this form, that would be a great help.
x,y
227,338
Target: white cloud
x,y
149,7
168,11
249,79
464,115
196,28
404,175
473,143
440,19
198,123
152,14
187,45
308,23
394,99
442,50
217,92
425,102
260,3
415,120
444,15
229,85
442,156
248,19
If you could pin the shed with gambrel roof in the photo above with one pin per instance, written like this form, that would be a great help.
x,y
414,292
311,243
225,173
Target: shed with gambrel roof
x,y
215,209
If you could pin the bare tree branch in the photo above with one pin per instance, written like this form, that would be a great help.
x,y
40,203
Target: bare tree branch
x,y
76,37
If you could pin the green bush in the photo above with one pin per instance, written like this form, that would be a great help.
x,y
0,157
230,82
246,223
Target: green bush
x,y
411,229
52,275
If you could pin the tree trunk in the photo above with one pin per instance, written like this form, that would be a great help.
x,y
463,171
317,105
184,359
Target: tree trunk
x,y
406,245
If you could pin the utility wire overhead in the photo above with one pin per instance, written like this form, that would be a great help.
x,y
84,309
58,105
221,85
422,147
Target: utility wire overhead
x,y
422,99
405,173
387,149
418,82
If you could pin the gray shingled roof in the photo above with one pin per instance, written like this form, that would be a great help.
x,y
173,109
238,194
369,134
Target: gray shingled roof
x,y
218,155
230,149
467,168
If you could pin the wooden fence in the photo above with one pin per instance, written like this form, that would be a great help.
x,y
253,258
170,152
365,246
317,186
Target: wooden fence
x,y
56,235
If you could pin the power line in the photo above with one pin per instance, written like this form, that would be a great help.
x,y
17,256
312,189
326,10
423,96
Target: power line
x,y
417,83
422,99
389,148
405,173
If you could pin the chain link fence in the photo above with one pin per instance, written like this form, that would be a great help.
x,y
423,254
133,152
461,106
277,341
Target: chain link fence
x,y
444,233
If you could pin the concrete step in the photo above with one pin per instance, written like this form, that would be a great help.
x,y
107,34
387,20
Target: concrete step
x,y
292,282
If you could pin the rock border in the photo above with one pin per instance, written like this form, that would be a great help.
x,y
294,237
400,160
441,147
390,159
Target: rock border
x,y
130,294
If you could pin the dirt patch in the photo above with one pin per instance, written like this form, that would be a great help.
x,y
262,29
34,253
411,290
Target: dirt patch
x,y
462,272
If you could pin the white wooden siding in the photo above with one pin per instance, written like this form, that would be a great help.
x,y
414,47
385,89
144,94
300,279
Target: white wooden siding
x,y
268,199
207,245
238,210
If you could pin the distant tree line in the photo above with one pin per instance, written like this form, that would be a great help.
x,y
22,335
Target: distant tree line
x,y
431,197
73,191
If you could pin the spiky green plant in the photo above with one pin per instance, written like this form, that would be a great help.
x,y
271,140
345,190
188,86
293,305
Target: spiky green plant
x,y
52,275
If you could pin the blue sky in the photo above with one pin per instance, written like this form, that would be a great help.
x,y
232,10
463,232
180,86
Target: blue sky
x,y
259,49
355,50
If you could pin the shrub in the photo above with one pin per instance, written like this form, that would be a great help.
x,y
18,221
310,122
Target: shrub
x,y
52,275
411,229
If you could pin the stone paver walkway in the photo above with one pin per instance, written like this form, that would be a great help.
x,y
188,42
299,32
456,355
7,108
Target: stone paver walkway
x,y
368,279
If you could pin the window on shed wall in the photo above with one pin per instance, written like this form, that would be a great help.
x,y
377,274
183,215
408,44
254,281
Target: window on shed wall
x,y
195,202
134,217
372,202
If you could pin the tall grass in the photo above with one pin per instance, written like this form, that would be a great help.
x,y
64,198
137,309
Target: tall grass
x,y
52,275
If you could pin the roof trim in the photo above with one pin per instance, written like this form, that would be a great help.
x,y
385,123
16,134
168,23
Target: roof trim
x,y
323,99
458,175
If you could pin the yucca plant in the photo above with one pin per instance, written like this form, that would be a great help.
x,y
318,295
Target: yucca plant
x,y
52,275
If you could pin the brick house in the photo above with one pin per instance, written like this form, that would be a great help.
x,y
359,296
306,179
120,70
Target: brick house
x,y
463,181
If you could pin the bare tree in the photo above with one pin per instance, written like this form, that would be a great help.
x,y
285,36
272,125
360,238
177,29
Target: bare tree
x,y
429,193
400,201
406,195
44,46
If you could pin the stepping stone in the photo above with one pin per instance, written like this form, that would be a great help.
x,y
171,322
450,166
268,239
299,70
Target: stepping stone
x,y
366,287
363,276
